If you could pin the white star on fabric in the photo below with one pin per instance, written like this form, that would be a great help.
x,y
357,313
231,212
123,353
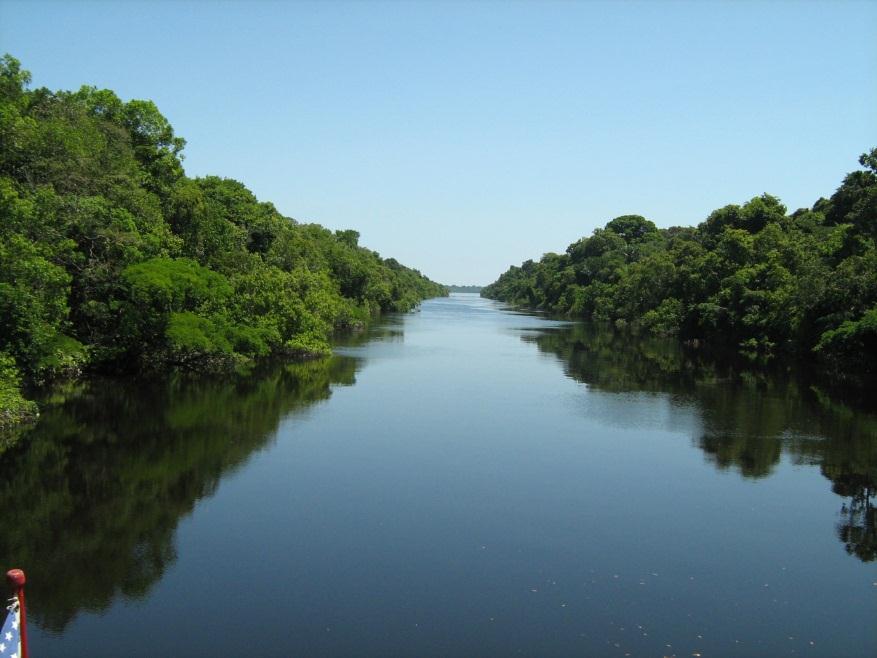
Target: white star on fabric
x,y
15,625
9,637
2,648
15,655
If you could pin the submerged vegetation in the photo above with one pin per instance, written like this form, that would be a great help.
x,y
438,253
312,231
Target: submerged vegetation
x,y
753,277
111,258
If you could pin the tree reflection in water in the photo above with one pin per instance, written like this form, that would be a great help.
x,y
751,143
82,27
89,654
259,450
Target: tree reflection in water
x,y
748,418
93,494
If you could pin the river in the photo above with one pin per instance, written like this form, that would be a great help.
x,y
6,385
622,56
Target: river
x,y
460,481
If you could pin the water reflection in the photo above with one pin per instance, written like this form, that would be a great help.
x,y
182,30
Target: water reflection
x,y
96,490
389,330
742,419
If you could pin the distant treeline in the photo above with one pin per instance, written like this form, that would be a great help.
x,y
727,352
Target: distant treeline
x,y
464,288
752,277
112,258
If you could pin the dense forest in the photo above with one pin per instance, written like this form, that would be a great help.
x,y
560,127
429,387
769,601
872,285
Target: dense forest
x,y
112,259
751,277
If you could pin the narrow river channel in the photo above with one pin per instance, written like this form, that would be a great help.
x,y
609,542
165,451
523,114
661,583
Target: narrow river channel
x,y
461,481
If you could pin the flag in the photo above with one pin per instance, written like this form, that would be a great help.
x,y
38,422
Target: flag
x,y
10,635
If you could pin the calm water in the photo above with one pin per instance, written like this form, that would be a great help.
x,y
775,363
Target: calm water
x,y
462,481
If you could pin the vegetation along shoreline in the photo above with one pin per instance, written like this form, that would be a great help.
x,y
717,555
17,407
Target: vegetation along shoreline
x,y
772,285
113,260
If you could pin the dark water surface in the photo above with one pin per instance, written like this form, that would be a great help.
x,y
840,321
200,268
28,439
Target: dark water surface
x,y
462,481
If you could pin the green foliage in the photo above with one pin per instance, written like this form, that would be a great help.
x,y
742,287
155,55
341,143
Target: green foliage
x,y
665,318
13,407
111,257
166,284
751,276
33,301
195,339
853,344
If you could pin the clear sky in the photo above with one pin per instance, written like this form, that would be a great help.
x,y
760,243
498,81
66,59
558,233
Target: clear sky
x,y
462,138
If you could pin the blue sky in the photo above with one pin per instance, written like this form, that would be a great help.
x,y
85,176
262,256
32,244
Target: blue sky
x,y
461,138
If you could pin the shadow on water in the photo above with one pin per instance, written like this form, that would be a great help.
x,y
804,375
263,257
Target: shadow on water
x,y
93,494
747,419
